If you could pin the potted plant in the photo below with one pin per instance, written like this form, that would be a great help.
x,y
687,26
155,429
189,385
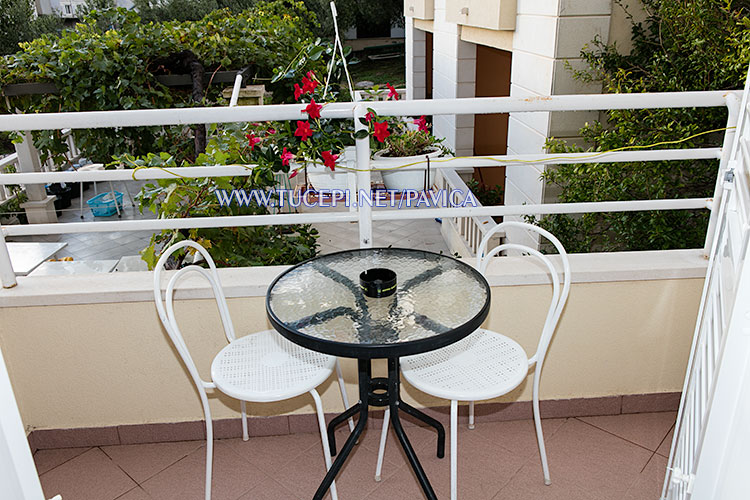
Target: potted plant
x,y
409,144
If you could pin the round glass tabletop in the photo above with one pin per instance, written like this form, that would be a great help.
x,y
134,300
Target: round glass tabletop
x,y
320,304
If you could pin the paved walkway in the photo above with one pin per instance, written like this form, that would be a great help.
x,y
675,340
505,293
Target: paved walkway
x,y
619,457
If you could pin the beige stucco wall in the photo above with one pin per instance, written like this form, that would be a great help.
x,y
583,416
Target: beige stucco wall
x,y
111,363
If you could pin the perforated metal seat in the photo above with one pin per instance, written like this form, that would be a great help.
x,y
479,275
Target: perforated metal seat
x,y
260,367
264,367
484,365
487,364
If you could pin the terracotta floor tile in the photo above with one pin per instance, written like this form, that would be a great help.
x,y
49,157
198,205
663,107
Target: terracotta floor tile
x,y
666,444
395,457
142,461
484,467
599,462
269,453
355,481
91,475
136,493
46,460
644,429
233,476
269,489
650,482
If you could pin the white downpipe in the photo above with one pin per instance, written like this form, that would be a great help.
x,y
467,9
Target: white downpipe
x,y
279,112
363,179
18,475
7,275
441,163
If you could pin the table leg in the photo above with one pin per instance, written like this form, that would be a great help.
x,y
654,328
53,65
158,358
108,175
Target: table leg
x,y
406,408
338,420
364,389
395,403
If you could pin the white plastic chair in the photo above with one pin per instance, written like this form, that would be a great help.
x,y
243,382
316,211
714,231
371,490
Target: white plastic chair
x,y
487,364
260,367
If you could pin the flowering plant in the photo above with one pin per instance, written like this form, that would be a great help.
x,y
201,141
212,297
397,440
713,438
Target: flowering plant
x,y
293,145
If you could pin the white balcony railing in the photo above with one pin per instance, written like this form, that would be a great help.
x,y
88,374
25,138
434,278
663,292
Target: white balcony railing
x,y
353,111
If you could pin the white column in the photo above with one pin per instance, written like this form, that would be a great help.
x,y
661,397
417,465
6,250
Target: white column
x,y
40,208
453,76
416,61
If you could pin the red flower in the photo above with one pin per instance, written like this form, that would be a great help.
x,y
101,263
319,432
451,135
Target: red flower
x,y
329,160
285,157
252,140
392,92
313,109
309,83
369,116
381,131
297,91
271,131
294,174
421,122
303,131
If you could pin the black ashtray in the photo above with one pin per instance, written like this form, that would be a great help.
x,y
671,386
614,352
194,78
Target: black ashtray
x,y
378,282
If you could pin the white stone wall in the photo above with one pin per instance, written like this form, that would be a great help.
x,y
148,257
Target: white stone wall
x,y
416,61
546,43
454,67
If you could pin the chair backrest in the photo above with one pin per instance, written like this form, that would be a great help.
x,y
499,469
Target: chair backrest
x,y
559,294
165,307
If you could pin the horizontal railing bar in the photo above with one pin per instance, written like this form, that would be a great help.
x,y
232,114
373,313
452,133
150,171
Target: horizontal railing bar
x,y
476,105
547,208
323,217
479,162
8,160
180,223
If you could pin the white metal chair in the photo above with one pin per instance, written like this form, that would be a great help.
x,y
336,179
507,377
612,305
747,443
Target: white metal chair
x,y
260,367
487,364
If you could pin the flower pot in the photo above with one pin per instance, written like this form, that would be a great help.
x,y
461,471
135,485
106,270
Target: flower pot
x,y
400,180
322,177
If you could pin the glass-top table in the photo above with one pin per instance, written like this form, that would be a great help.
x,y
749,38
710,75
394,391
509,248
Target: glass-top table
x,y
322,304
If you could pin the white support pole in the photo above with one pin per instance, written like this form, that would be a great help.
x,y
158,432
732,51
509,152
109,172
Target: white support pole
x,y
363,179
236,91
7,275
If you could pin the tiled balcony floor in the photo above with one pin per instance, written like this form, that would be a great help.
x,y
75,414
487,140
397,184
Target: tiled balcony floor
x,y
606,457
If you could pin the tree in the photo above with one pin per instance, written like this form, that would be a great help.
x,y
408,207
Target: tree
x,y
681,46
19,23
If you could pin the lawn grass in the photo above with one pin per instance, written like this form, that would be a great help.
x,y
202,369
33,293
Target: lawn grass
x,y
380,72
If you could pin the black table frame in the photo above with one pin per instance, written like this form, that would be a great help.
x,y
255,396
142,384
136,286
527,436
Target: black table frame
x,y
380,392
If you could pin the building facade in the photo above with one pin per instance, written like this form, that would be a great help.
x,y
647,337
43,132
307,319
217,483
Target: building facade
x,y
522,48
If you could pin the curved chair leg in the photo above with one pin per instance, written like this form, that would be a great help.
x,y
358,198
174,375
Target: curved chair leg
x,y
243,409
454,449
538,426
323,437
344,397
209,445
471,414
381,448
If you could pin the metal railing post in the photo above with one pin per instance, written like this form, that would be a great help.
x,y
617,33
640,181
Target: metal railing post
x,y
733,105
363,179
7,275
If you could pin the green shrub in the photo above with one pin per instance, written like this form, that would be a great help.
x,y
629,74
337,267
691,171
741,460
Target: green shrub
x,y
681,46
109,62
